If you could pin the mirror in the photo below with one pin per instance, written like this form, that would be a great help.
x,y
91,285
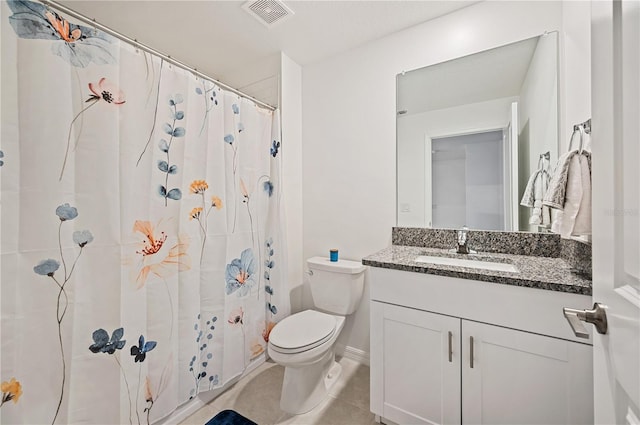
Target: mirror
x,y
471,131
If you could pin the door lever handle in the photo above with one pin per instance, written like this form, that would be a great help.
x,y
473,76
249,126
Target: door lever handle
x,y
596,316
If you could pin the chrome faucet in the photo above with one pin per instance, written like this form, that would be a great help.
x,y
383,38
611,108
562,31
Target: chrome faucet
x,y
463,248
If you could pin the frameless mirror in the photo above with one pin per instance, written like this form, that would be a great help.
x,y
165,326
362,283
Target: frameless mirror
x,y
471,131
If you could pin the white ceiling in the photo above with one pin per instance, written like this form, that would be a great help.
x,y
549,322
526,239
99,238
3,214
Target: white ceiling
x,y
223,41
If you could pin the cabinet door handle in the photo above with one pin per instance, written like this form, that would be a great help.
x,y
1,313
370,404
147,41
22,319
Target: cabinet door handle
x,y
471,352
450,346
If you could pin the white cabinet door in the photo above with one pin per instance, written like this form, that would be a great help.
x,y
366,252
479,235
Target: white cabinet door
x,y
523,378
414,380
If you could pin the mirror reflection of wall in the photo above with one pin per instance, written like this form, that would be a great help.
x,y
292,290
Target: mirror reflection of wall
x,y
508,94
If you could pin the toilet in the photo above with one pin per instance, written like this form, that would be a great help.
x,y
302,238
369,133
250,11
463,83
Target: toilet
x,y
304,342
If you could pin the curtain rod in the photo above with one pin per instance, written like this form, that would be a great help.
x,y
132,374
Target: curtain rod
x,y
148,49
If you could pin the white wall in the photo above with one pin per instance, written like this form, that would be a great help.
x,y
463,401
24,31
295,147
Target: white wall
x,y
534,110
575,76
537,116
349,130
291,119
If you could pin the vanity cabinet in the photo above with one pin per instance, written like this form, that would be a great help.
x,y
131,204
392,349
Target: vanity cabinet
x,y
421,382
519,377
455,351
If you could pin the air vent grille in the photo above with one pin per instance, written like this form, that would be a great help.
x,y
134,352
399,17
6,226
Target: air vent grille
x,y
269,12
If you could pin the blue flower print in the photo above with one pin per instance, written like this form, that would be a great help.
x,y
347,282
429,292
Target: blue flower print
x,y
236,109
66,212
274,148
102,343
76,44
209,95
229,139
173,131
240,273
1,156
205,355
82,237
47,267
268,187
176,100
269,264
140,351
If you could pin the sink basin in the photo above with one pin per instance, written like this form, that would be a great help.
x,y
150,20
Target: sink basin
x,y
463,262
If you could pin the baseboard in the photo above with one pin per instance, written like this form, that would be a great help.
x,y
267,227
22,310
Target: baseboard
x,y
352,353
204,398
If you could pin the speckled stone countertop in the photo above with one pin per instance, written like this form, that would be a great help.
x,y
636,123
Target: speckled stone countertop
x,y
547,273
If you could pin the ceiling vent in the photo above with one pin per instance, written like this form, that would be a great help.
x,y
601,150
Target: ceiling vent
x,y
268,12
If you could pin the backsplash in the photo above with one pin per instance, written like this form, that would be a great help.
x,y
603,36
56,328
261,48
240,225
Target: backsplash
x,y
517,243
576,253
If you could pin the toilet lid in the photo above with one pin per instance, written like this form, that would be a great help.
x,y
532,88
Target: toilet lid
x,y
302,331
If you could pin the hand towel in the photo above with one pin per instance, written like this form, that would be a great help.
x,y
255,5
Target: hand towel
x,y
529,195
582,225
533,196
576,217
556,192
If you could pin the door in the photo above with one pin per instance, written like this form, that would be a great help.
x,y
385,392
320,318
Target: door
x,y
514,377
415,364
615,35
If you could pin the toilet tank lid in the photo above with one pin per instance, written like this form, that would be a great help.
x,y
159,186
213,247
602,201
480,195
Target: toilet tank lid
x,y
340,266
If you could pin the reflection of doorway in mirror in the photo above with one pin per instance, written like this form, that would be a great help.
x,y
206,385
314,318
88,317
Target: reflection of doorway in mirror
x,y
469,180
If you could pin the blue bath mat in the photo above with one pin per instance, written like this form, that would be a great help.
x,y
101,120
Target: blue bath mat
x,y
229,417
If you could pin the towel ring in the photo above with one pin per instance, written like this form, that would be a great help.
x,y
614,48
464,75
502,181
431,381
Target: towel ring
x,y
580,130
541,162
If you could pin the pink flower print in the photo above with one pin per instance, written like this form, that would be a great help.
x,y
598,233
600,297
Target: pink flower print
x,y
106,91
236,317
102,90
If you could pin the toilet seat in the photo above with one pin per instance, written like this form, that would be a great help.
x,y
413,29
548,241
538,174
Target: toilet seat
x,y
302,332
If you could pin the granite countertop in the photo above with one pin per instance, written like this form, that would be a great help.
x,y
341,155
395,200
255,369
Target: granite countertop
x,y
547,273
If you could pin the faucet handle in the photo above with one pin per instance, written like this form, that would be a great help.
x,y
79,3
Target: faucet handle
x,y
462,240
462,235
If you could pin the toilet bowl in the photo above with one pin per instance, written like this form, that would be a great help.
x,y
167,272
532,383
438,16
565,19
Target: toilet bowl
x,y
304,342
305,347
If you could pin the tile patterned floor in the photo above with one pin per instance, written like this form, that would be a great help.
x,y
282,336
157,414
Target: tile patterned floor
x,y
257,397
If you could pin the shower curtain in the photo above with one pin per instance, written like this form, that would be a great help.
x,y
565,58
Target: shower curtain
x,y
142,248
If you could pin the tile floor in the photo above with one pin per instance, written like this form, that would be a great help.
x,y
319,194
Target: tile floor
x,y
257,397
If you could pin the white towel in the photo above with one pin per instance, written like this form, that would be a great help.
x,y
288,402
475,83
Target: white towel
x,y
533,196
582,224
576,217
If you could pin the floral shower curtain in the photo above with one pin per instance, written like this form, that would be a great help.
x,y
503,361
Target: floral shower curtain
x,y
142,243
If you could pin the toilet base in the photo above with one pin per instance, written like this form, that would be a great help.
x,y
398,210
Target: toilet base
x,y
305,387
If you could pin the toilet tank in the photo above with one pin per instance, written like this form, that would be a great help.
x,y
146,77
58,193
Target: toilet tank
x,y
336,286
